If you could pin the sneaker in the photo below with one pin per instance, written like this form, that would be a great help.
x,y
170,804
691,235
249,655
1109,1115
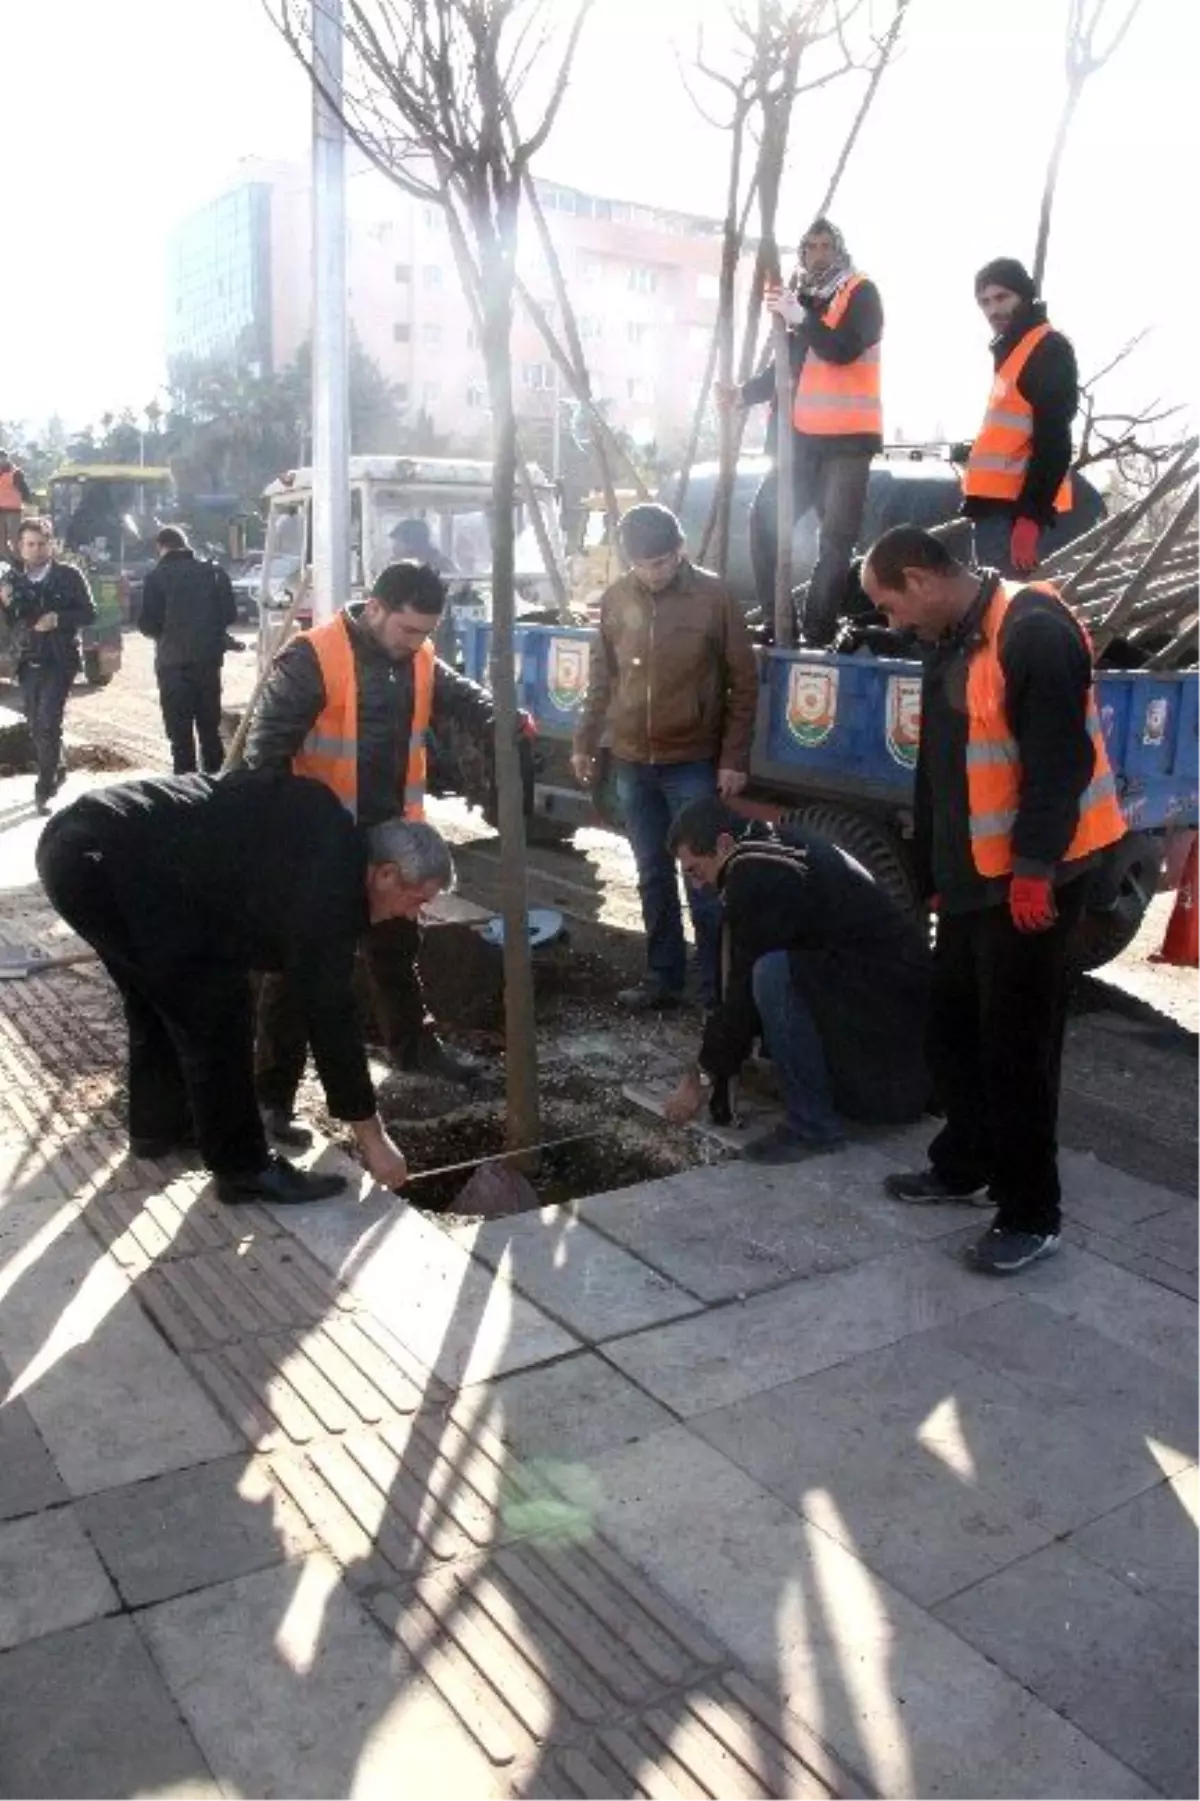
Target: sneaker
x,y
924,1187
41,803
278,1181
284,1129
649,997
783,1144
1002,1253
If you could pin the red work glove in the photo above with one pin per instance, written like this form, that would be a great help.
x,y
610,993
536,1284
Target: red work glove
x,y
1031,903
1023,549
526,724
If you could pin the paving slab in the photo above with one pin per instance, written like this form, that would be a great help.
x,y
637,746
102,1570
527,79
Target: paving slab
x,y
1114,1662
85,1712
567,1411
194,1527
1150,1543
893,1691
50,1577
734,1229
109,1398
1148,1319
735,1351
587,1283
1172,1236
290,1689
28,1478
1125,1252
1101,1195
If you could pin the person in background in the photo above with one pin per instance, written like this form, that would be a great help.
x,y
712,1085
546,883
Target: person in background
x,y
412,540
834,318
672,689
15,495
1015,800
46,604
822,965
188,606
1016,483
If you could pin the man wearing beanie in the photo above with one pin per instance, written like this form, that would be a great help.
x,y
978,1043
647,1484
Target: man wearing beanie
x,y
834,320
672,691
1016,481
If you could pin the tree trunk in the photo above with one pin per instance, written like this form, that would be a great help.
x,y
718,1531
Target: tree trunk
x,y
1074,90
785,500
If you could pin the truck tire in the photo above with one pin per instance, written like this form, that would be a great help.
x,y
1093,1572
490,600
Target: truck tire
x,y
1121,889
93,674
877,847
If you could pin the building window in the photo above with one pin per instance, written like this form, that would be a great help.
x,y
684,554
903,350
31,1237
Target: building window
x,y
432,334
539,376
588,327
476,395
638,390
432,275
403,271
643,280
636,331
430,392
401,332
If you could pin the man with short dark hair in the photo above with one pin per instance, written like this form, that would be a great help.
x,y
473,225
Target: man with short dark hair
x,y
819,962
673,689
1016,484
45,604
1015,801
353,702
184,885
188,606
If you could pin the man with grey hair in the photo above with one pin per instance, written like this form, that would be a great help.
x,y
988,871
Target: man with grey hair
x,y
186,884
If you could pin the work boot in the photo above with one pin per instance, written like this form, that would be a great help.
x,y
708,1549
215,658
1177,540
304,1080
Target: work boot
x,y
426,1055
284,1129
41,801
278,1181
649,996
924,1187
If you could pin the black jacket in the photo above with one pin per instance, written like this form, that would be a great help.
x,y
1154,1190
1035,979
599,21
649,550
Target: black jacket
x,y
1047,678
860,965
252,871
860,327
1050,383
62,590
188,605
295,694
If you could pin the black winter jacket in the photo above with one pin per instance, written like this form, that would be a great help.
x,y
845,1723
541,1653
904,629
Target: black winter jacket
x,y
62,590
188,605
295,694
861,326
1050,383
1047,679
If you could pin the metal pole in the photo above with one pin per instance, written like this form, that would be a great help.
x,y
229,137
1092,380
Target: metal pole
x,y
330,411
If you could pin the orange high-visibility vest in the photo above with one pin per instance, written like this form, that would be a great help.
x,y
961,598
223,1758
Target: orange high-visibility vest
x,y
839,399
1000,454
330,751
993,756
10,494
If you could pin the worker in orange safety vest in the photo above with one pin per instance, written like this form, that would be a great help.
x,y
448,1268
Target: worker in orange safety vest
x,y
834,318
1016,484
15,494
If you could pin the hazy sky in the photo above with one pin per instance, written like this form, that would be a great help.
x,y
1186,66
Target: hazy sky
x,y
134,112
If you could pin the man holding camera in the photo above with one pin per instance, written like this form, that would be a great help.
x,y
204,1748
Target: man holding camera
x,y
46,604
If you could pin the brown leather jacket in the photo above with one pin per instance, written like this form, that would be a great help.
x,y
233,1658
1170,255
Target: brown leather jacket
x,y
673,677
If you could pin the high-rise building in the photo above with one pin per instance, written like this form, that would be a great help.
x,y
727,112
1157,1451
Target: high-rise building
x,y
218,280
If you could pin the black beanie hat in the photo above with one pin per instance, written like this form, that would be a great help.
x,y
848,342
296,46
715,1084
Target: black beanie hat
x,y
1007,272
650,530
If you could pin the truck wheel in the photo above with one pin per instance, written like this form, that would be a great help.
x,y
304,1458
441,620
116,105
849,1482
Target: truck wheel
x,y
877,847
93,674
1121,889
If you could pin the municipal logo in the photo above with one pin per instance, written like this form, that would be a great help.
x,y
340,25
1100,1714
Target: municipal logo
x,y
1155,729
903,719
812,699
567,673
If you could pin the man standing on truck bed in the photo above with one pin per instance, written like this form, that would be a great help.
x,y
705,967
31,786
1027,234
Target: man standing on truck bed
x,y
352,703
46,604
1015,800
188,606
673,688
1016,482
834,318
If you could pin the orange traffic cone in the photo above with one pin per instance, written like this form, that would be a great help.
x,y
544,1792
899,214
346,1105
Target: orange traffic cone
x,y
1182,942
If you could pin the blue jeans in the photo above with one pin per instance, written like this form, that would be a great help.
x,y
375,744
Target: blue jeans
x,y
794,1046
993,539
651,796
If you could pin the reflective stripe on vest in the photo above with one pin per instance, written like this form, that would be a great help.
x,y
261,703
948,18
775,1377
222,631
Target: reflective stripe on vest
x,y
994,758
330,751
1000,454
839,399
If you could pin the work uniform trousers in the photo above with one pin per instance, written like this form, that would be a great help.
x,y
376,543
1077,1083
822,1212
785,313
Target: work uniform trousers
x,y
833,484
390,953
44,691
191,1046
190,697
995,1036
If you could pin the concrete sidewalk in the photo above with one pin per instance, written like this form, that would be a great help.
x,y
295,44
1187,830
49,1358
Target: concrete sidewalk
x,y
732,1484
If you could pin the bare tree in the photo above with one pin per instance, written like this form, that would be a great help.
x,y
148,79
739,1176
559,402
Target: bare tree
x,y
1084,57
431,100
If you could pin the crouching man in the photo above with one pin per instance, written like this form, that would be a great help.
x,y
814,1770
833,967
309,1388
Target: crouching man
x,y
818,961
186,884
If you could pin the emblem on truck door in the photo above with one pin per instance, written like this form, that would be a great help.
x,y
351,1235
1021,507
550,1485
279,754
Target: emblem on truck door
x,y
567,672
812,699
902,725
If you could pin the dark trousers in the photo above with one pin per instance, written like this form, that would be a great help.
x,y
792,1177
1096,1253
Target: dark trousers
x,y
390,952
650,796
191,1046
44,691
190,695
794,1045
997,1017
993,543
834,485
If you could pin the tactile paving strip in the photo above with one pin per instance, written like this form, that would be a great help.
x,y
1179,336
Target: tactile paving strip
x,y
182,1219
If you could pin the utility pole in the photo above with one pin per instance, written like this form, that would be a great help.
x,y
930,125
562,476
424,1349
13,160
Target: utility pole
x,y
330,362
